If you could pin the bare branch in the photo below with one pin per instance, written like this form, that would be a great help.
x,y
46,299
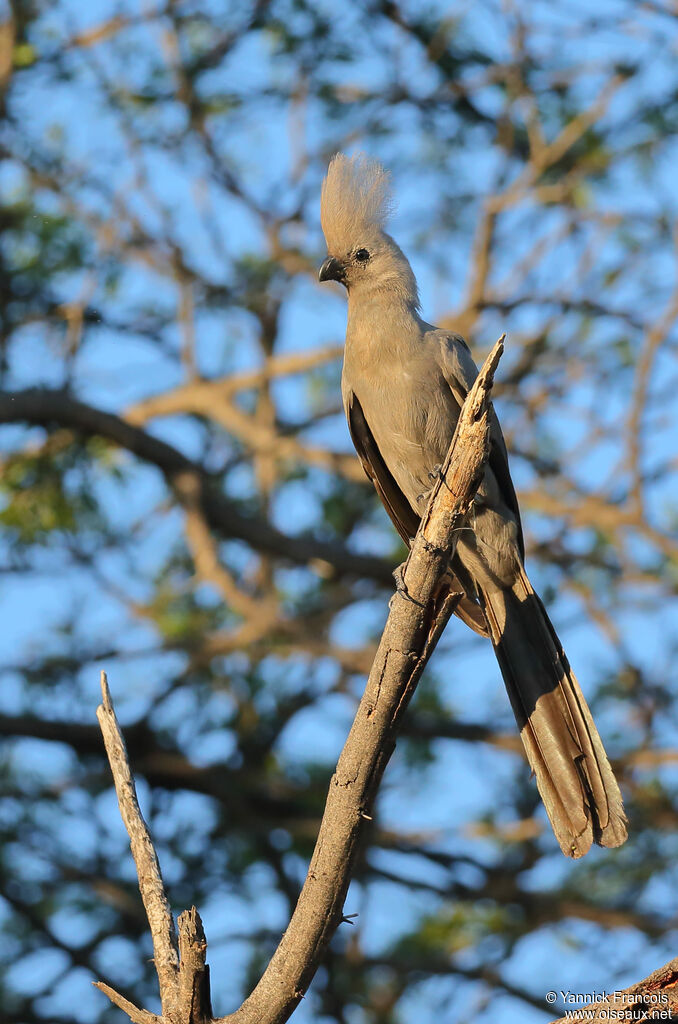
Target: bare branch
x,y
136,1015
417,617
416,620
183,975
151,886
193,993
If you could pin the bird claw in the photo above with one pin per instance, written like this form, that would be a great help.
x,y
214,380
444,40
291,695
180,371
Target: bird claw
x,y
435,474
401,586
399,577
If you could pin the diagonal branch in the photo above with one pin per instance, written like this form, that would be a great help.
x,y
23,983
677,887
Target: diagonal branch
x,y
418,614
151,885
415,622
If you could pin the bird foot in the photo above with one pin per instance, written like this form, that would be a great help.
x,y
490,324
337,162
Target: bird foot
x,y
435,474
401,586
399,577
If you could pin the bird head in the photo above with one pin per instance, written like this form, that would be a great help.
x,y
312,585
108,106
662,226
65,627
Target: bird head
x,y
355,205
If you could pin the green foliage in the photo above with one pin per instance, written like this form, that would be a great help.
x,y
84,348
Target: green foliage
x,y
44,492
455,928
38,246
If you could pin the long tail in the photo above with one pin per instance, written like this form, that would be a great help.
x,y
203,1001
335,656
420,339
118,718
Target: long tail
x,y
574,777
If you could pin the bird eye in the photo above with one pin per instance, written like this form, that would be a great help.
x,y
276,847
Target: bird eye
x,y
362,255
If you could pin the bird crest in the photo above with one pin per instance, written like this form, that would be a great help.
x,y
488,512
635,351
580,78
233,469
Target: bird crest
x,y
356,201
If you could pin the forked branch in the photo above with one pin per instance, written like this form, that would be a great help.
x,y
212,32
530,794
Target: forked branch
x,y
418,614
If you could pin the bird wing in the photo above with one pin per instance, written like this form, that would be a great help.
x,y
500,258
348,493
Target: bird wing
x,y
460,372
403,516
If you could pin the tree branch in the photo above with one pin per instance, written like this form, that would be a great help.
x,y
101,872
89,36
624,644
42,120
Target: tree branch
x,y
151,886
418,614
415,622
183,975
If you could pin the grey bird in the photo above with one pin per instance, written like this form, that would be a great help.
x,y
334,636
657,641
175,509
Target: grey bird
x,y
403,385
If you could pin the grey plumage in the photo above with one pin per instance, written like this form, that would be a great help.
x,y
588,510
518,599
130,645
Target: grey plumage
x,y
403,385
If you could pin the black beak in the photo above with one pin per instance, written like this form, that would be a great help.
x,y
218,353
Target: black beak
x,y
332,270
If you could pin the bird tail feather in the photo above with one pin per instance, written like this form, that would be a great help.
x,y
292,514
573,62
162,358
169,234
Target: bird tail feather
x,y
565,752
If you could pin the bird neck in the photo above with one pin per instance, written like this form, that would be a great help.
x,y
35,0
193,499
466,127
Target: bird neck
x,y
384,301
384,326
